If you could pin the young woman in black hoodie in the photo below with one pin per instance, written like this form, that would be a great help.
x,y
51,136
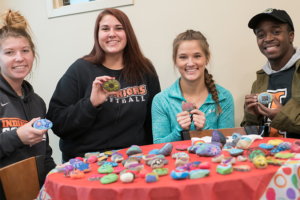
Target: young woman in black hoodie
x,y
20,107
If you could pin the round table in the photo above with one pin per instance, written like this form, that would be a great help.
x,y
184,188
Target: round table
x,y
237,185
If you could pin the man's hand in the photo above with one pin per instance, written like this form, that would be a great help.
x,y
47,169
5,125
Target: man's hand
x,y
251,104
270,113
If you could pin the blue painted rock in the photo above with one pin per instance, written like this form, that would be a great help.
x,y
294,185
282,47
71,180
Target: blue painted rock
x,y
161,171
181,160
105,169
244,143
208,150
224,169
216,143
179,175
157,163
117,157
281,147
134,149
110,178
85,167
236,152
264,98
71,161
137,167
236,135
175,155
266,146
77,164
227,147
241,158
228,160
193,149
153,151
152,177
113,164
127,177
217,136
241,168
166,150
87,155
218,158
198,173
42,124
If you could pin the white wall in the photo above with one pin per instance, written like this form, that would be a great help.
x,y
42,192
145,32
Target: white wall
x,y
236,57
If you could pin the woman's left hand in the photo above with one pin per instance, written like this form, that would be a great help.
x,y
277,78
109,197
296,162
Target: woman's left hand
x,y
199,119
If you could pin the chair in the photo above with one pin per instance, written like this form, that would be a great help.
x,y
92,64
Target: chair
x,y
21,180
187,135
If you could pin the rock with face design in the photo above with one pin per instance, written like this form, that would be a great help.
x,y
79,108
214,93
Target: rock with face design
x,y
260,162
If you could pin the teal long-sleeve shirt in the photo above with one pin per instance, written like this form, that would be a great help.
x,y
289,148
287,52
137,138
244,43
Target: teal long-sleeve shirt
x,y
167,104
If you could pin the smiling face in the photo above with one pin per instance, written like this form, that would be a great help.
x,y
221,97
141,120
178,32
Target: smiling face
x,y
273,39
111,35
16,58
191,60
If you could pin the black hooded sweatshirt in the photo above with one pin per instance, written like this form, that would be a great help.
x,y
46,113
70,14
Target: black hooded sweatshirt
x,y
15,112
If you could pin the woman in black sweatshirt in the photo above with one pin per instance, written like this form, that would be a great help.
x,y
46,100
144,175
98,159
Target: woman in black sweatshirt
x,y
20,107
88,118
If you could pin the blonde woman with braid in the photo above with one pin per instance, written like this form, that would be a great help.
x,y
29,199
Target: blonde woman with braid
x,y
214,104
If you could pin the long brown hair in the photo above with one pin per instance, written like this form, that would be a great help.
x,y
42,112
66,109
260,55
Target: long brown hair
x,y
15,25
135,63
208,78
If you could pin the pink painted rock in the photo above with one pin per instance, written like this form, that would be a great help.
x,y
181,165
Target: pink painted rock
x,y
92,159
181,147
295,147
117,170
79,158
143,173
204,165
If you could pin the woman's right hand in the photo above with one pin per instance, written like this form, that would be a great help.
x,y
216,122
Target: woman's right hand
x,y
98,94
184,120
29,135
251,105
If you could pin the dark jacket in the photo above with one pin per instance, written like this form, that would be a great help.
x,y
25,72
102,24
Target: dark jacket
x,y
121,121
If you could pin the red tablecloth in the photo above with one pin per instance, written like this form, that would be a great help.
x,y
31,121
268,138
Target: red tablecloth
x,y
237,185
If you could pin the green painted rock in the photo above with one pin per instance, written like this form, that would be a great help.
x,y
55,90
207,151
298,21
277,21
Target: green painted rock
x,y
110,178
105,169
224,169
161,171
198,173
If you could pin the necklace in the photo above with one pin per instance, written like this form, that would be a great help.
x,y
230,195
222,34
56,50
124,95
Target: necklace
x,y
23,93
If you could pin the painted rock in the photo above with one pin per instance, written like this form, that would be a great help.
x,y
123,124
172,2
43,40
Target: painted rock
x,y
227,147
42,124
208,150
129,162
228,160
266,146
129,170
137,167
113,164
87,155
198,173
181,147
236,152
108,153
284,155
241,168
76,174
224,169
242,158
102,158
187,106
193,149
67,170
92,159
143,173
77,164
117,170
134,149
281,147
151,177
138,155
160,156
236,135
60,168
79,158
275,142
216,143
179,175
181,160
138,160
189,166
111,85
71,161
117,157
273,161
85,167
260,162
165,161
148,157
161,171
244,143
252,152
153,151
110,178
198,142
218,158
157,163
264,98
105,169
217,136
127,177
166,150
204,165
295,147
96,177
